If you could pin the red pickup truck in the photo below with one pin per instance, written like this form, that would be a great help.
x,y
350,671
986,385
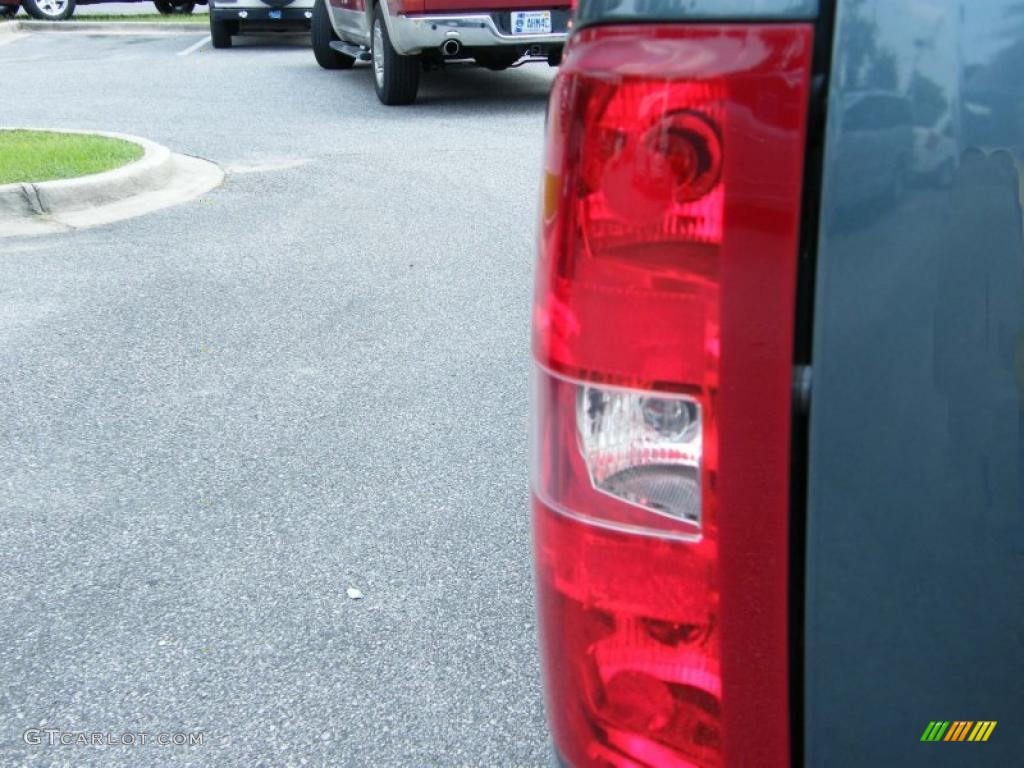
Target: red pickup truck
x,y
405,37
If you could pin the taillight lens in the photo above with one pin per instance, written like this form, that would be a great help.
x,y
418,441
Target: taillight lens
x,y
663,332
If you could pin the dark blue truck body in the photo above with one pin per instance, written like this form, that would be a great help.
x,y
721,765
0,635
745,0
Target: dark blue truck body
x,y
914,513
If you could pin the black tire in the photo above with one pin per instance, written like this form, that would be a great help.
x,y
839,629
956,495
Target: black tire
x,y
221,31
8,11
174,7
396,78
49,10
322,34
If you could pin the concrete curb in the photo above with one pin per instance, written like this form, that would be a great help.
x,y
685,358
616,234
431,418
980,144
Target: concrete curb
x,y
106,27
147,173
158,179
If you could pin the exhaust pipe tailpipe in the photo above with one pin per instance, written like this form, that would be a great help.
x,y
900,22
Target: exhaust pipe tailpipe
x,y
451,47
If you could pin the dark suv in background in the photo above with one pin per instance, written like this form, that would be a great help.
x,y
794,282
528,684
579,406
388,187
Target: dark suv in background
x,y
779,344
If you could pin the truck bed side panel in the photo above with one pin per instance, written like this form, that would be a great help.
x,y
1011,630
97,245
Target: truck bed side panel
x,y
915,539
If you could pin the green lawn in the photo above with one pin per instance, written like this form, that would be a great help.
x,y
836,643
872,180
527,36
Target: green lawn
x,y
177,18
45,155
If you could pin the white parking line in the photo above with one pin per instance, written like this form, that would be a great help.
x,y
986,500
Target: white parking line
x,y
195,46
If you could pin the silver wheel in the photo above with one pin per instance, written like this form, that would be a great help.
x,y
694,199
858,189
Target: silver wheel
x,y
53,8
378,53
395,77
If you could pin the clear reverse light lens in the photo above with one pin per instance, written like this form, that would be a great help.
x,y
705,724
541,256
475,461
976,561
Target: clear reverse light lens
x,y
643,449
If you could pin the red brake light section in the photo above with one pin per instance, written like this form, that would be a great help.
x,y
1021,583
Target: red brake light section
x,y
663,333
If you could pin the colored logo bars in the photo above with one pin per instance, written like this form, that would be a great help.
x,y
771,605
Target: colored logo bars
x,y
958,730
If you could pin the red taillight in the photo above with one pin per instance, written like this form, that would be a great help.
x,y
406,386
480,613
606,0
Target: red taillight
x,y
663,332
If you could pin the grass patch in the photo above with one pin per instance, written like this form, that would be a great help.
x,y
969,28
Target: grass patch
x,y
177,18
47,155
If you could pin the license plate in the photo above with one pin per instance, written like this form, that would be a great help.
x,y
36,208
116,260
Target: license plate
x,y
275,14
531,22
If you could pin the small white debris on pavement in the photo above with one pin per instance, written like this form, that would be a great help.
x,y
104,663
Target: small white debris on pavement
x,y
354,594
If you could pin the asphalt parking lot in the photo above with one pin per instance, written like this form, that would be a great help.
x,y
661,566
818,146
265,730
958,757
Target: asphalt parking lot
x,y
218,418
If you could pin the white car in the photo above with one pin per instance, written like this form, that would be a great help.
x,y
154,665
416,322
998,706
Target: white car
x,y
231,17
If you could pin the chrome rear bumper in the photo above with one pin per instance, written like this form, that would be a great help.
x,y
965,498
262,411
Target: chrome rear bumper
x,y
414,34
